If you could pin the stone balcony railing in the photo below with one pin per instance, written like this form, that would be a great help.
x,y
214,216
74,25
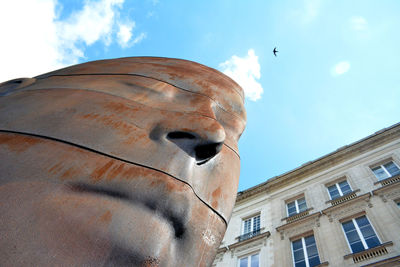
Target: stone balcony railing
x,y
344,198
249,235
390,180
370,253
297,216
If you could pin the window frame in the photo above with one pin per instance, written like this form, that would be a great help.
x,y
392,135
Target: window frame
x,y
381,165
251,223
296,205
359,233
248,257
304,248
338,188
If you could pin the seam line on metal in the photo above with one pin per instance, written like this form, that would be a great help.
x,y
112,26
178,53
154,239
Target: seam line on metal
x,y
117,158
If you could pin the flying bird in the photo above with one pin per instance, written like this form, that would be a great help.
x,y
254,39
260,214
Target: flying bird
x,y
275,51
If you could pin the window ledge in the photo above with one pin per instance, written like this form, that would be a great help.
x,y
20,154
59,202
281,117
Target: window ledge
x,y
297,216
240,243
369,253
390,180
344,198
325,263
250,235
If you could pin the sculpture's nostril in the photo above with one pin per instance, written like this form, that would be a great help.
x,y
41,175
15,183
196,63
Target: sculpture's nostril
x,y
206,152
180,135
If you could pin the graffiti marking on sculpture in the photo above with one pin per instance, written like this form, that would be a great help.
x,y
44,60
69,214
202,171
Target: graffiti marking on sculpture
x,y
129,161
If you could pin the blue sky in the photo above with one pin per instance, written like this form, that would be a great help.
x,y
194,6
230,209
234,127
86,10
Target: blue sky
x,y
335,79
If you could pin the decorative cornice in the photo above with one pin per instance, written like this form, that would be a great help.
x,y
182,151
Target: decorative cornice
x,y
349,207
342,154
395,261
297,216
300,226
342,199
390,191
369,253
300,221
247,241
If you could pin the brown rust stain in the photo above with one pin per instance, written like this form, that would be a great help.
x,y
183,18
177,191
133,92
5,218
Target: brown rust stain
x,y
216,196
106,217
116,171
216,193
99,173
56,168
70,173
18,143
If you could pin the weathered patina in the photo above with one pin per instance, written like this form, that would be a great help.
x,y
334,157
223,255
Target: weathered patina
x,y
129,161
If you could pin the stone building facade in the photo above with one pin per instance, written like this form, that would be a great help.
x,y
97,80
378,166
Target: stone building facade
x,y
342,209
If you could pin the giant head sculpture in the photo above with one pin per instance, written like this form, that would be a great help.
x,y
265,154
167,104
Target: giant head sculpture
x,y
129,161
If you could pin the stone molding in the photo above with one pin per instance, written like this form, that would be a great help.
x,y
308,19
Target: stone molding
x,y
300,226
340,155
389,191
393,261
369,253
344,198
348,208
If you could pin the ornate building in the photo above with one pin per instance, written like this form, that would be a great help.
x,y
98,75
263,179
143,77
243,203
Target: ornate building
x,y
342,209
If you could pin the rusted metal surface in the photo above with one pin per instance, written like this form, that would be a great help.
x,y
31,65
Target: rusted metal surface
x,y
130,161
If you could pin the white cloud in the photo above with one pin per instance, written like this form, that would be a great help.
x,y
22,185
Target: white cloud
x,y
358,23
340,68
245,71
35,40
139,38
125,33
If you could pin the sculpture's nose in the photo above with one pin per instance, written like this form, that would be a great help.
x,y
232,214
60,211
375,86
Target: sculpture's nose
x,y
201,138
201,149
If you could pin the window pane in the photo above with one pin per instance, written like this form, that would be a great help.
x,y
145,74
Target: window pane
x,y
357,247
292,211
302,207
243,262
361,221
254,260
372,241
247,226
380,173
298,255
301,201
392,168
347,226
300,264
333,192
314,261
367,231
352,236
312,251
297,245
310,240
345,187
291,205
256,223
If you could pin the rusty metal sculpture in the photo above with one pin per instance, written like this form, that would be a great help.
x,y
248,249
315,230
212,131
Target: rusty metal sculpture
x,y
129,161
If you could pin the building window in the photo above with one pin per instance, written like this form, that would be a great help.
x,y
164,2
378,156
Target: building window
x,y
386,170
250,261
250,228
297,206
360,234
305,253
339,189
